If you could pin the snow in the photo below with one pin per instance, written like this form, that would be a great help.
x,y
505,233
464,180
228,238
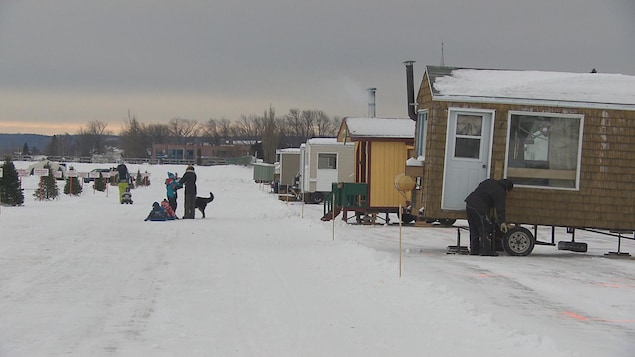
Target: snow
x,y
86,276
616,89
381,127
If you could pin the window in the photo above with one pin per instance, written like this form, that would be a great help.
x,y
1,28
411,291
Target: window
x,y
468,136
422,125
327,161
544,149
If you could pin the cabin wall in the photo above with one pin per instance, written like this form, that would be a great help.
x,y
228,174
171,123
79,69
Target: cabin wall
x,y
386,161
606,195
289,168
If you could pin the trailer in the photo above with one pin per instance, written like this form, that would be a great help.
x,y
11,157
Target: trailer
x,y
566,140
322,162
287,174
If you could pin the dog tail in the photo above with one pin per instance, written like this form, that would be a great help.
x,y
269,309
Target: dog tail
x,y
211,197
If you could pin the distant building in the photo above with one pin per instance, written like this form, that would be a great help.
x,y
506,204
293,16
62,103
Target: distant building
x,y
200,154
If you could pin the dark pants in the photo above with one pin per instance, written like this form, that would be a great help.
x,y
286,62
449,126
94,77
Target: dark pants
x,y
190,205
172,203
481,229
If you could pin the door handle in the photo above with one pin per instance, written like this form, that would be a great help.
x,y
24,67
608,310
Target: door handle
x,y
484,166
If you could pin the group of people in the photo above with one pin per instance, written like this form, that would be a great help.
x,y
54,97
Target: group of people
x,y
166,210
173,184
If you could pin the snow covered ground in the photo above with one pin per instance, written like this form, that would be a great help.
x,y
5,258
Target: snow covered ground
x,y
86,276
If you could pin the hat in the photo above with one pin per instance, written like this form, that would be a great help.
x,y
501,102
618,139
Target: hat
x,y
190,168
508,184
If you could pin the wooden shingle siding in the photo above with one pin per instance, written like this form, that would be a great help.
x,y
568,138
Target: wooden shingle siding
x,y
606,195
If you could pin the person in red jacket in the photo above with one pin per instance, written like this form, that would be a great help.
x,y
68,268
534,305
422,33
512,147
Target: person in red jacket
x,y
490,194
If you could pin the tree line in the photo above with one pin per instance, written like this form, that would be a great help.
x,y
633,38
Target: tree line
x,y
136,138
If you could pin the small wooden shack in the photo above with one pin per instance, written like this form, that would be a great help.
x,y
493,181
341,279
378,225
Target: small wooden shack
x,y
382,146
566,140
288,165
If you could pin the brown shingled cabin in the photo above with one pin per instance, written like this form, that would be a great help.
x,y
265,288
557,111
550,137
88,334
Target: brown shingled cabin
x,y
566,140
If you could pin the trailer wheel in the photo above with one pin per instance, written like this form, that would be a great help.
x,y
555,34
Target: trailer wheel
x,y
316,197
518,241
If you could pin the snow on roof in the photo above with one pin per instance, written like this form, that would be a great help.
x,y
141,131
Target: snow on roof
x,y
381,127
326,141
594,89
288,151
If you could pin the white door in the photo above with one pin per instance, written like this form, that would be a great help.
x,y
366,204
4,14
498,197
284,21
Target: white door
x,y
326,171
467,155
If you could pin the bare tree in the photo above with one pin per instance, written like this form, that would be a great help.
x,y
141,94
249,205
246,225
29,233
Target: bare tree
x,y
183,129
158,133
61,145
270,138
308,121
325,126
133,138
91,139
209,132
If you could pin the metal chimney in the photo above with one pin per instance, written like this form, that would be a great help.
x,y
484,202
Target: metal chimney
x,y
371,102
410,89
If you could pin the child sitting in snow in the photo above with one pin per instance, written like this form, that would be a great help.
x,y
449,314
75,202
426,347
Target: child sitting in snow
x,y
169,212
157,213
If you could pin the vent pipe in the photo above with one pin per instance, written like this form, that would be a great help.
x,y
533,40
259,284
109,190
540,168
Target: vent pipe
x,y
371,102
410,89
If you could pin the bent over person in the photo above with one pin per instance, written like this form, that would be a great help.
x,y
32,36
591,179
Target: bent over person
x,y
189,181
490,194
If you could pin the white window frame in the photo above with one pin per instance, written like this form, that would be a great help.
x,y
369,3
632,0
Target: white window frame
x,y
579,117
421,133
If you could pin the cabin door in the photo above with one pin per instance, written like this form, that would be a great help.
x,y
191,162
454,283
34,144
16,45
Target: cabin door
x,y
326,171
467,155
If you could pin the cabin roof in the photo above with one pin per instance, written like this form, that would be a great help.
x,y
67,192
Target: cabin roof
x,y
593,90
380,127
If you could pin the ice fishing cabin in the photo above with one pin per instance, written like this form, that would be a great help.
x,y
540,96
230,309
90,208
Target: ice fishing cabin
x,y
322,162
287,171
382,146
263,172
566,140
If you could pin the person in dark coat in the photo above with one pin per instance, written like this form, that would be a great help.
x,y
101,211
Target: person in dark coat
x,y
189,182
490,194
123,179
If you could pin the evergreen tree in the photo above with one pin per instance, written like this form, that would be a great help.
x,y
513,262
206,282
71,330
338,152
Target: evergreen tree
x,y
48,186
10,191
25,149
72,185
100,183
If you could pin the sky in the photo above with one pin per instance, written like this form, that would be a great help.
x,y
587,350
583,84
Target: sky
x,y
70,62
87,276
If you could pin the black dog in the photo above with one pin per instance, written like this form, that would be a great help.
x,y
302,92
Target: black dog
x,y
201,202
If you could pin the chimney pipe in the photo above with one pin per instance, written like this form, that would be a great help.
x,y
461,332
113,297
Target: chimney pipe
x,y
410,89
371,102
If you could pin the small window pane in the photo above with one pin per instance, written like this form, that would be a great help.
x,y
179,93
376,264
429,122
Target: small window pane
x,y
469,125
327,161
467,148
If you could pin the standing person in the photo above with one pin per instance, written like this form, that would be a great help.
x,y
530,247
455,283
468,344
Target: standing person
x,y
490,194
171,187
123,179
189,181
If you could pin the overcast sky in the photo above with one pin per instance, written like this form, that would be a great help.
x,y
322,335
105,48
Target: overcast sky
x,y
65,63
